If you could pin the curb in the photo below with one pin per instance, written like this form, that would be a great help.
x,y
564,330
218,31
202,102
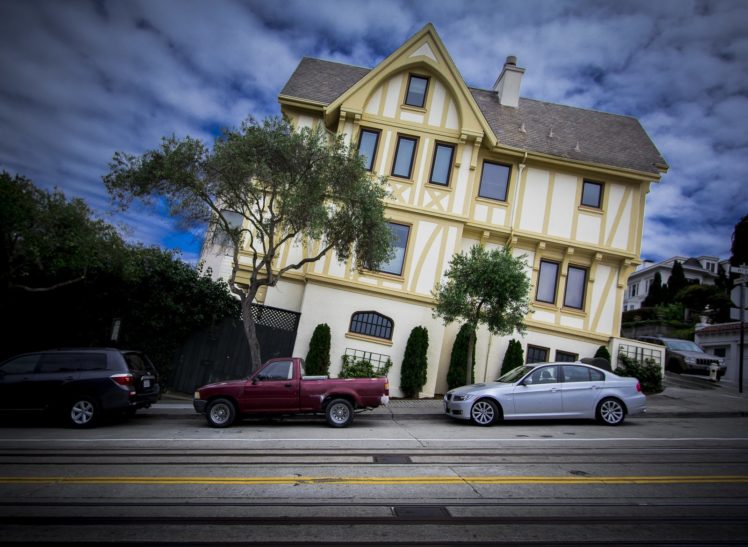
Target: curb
x,y
174,413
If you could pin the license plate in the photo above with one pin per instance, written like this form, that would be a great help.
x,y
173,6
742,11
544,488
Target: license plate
x,y
146,383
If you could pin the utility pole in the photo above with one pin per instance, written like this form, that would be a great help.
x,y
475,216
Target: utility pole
x,y
741,286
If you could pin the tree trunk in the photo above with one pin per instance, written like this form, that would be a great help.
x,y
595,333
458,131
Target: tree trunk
x,y
250,331
471,345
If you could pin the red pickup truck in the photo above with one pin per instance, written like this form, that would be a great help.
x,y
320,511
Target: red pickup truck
x,y
281,388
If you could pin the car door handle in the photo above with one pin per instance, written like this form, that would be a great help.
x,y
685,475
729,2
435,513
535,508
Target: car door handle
x,y
289,385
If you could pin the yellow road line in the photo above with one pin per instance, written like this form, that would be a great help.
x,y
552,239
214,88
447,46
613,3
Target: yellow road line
x,y
386,481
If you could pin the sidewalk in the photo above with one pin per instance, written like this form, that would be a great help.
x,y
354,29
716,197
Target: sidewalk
x,y
684,396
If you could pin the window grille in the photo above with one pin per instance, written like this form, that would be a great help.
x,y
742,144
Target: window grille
x,y
371,323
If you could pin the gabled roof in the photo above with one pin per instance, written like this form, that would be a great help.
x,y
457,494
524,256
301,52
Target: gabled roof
x,y
321,81
571,133
535,126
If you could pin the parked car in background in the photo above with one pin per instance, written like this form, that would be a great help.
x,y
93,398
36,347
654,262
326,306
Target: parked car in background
x,y
686,356
79,385
548,391
281,388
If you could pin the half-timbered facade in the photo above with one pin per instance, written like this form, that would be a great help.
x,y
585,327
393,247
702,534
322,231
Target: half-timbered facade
x,y
563,186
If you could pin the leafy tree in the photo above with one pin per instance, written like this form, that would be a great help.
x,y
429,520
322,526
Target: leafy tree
x,y
513,358
484,287
161,301
415,362
739,247
697,297
656,294
285,187
318,359
458,358
676,282
46,241
67,276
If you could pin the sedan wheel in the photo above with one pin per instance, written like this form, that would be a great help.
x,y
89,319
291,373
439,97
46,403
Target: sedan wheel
x,y
484,412
611,412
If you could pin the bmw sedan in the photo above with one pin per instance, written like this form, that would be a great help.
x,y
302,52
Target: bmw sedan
x,y
548,391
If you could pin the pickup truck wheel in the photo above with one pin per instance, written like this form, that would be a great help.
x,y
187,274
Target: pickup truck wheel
x,y
339,413
220,413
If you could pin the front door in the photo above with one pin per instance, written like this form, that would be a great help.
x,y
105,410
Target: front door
x,y
272,390
539,395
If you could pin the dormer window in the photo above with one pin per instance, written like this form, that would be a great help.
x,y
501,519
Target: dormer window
x,y
417,87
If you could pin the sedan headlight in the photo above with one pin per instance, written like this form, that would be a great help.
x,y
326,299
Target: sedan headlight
x,y
690,360
462,396
197,395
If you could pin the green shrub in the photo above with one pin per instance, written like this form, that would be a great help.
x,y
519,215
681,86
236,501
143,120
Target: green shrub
x,y
318,359
458,359
513,358
415,364
363,368
603,352
648,373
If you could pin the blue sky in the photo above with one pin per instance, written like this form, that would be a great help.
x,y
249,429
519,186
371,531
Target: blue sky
x,y
83,79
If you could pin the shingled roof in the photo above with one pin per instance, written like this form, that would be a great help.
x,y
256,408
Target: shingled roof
x,y
535,126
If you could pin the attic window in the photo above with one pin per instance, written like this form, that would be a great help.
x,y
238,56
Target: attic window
x,y
592,194
417,87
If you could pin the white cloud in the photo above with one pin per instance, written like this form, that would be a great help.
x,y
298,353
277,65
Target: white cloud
x,y
82,80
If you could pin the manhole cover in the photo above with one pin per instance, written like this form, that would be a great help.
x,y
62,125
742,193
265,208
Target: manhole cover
x,y
421,512
392,458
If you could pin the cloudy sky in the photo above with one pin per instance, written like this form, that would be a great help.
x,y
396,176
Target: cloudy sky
x,y
81,79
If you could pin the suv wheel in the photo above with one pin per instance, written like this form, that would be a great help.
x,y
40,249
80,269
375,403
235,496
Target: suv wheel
x,y
82,412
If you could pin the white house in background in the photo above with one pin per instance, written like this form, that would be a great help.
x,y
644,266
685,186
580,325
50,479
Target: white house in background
x,y
704,269
723,340
563,186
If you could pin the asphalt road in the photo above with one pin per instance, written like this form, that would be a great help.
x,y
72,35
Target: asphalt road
x,y
402,481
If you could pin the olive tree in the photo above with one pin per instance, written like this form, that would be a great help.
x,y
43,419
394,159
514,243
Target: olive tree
x,y
284,185
484,287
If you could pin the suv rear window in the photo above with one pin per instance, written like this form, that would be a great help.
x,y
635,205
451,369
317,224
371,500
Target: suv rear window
x,y
137,363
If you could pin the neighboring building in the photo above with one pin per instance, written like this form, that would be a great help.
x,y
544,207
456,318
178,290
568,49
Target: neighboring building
x,y
723,340
704,269
563,186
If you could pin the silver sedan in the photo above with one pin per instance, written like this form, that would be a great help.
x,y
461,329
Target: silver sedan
x,y
549,391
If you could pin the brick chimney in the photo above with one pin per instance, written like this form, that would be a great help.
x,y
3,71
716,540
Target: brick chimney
x,y
507,86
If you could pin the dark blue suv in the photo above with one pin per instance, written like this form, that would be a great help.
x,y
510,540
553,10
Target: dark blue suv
x,y
79,385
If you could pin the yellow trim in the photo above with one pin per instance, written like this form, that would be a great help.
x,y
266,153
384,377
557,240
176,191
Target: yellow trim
x,y
372,339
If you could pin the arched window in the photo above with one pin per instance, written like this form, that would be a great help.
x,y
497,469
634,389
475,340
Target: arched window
x,y
371,323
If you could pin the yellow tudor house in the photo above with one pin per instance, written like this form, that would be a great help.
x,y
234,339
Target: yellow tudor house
x,y
564,186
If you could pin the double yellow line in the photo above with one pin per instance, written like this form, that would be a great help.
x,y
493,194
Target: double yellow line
x,y
383,481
